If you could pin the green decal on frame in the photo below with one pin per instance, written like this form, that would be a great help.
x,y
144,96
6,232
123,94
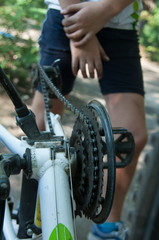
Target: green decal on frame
x,y
60,233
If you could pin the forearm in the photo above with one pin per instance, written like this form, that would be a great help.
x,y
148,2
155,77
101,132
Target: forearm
x,y
113,7
87,18
66,3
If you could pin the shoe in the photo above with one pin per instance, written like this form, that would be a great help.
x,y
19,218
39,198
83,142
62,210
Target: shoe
x,y
108,231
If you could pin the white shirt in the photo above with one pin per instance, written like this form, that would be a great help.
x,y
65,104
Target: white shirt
x,y
126,19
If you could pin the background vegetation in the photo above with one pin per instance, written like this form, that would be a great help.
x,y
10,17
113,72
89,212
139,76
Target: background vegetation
x,y
20,24
21,20
149,32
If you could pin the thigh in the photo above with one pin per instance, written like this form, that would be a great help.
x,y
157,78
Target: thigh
x,y
54,45
126,110
66,75
123,73
52,33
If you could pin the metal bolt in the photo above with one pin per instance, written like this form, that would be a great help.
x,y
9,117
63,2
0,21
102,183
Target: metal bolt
x,y
29,232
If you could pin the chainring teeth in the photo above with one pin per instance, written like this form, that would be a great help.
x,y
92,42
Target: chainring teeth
x,y
89,120
91,179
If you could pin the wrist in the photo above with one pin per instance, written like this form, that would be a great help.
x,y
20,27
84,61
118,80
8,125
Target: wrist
x,y
111,8
64,3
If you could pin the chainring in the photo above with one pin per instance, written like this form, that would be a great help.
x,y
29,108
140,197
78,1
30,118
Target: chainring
x,y
88,179
92,137
109,159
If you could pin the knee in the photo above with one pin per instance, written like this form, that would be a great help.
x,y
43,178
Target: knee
x,y
140,138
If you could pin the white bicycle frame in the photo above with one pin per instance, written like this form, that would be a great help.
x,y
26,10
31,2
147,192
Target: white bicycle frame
x,y
52,170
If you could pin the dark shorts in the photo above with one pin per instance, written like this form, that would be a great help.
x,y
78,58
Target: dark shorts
x,y
122,73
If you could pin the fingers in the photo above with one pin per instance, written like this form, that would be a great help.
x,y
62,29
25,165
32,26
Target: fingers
x,y
79,37
73,27
75,66
83,39
83,69
68,21
99,69
91,69
70,29
79,64
75,32
71,9
89,59
75,36
103,55
88,70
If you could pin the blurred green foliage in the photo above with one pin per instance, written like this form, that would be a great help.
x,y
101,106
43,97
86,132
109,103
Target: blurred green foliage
x,y
149,34
22,19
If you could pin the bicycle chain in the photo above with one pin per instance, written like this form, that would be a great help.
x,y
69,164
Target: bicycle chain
x,y
85,138
46,102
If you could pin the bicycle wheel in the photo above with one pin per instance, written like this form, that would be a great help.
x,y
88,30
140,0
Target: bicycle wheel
x,y
142,215
2,210
3,237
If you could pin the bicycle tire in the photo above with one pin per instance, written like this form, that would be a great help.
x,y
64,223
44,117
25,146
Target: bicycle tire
x,y
142,215
3,237
2,211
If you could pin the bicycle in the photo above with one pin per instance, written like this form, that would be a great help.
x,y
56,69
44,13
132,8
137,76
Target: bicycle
x,y
142,216
62,177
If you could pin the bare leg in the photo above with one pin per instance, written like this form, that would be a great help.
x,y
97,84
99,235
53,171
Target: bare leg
x,y
126,110
38,108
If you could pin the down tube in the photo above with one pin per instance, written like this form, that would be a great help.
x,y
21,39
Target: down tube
x,y
55,204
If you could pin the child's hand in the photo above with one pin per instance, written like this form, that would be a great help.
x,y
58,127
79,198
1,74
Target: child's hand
x,y
83,21
90,55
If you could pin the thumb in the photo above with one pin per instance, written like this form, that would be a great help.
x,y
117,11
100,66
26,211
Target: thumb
x,y
104,55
